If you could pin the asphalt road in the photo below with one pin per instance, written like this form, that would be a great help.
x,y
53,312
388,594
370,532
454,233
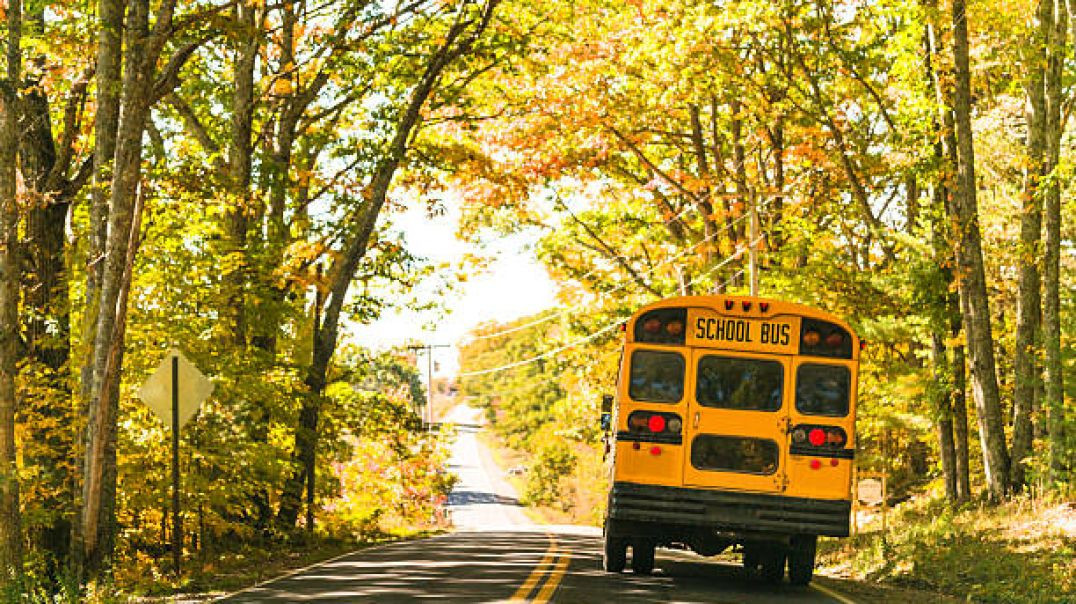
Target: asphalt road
x,y
497,555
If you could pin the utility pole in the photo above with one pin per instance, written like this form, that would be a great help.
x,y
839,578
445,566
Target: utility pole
x,y
427,416
753,249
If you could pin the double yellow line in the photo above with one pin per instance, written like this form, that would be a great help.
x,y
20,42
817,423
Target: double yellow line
x,y
553,564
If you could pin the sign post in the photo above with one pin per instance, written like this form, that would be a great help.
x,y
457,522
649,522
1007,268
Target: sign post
x,y
175,392
177,524
871,491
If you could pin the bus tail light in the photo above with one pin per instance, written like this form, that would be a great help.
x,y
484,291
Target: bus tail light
x,y
655,422
674,425
655,450
820,437
815,464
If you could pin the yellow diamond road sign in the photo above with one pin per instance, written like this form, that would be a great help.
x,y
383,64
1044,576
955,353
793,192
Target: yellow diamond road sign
x,y
194,389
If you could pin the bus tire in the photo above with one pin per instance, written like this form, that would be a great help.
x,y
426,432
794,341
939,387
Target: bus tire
x,y
801,559
773,564
642,557
615,554
751,560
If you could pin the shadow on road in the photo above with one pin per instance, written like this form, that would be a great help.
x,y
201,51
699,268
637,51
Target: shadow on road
x,y
678,577
457,498
460,567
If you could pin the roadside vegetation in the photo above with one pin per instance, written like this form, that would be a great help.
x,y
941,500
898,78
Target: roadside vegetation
x,y
1022,551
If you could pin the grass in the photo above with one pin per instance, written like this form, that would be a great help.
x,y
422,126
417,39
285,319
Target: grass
x,y
1022,551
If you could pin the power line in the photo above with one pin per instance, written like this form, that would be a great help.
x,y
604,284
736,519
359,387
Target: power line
x,y
595,334
550,317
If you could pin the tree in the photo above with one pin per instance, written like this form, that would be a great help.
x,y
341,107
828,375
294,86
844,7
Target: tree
x,y
466,24
975,303
143,84
10,525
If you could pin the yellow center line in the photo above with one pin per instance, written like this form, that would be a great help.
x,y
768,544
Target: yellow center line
x,y
554,579
538,572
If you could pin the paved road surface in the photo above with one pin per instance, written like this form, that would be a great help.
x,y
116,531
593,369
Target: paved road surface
x,y
498,555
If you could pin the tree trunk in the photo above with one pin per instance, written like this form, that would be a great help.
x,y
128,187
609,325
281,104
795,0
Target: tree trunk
x,y
1054,392
943,423
143,47
972,277
10,521
1029,299
110,14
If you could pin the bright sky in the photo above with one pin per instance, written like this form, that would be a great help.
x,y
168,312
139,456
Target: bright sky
x,y
515,285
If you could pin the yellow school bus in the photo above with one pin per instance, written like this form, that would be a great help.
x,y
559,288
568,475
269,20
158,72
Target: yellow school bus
x,y
733,426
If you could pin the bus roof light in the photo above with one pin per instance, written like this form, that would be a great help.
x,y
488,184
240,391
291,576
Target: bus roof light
x,y
728,304
746,305
764,306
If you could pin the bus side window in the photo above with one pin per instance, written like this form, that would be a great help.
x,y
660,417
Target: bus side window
x,y
656,377
823,389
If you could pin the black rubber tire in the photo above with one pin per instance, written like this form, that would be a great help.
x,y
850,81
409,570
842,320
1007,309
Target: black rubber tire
x,y
751,560
773,564
615,554
642,557
801,559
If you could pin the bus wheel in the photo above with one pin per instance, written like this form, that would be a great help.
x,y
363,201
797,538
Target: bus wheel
x,y
773,564
642,557
801,559
615,555
751,560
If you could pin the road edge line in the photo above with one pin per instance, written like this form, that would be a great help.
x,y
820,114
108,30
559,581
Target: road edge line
x,y
833,594
292,573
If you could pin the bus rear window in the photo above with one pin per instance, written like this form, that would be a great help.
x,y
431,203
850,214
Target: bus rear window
x,y
734,454
737,383
823,390
656,377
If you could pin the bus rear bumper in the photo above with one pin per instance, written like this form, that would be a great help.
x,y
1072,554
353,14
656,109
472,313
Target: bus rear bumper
x,y
728,511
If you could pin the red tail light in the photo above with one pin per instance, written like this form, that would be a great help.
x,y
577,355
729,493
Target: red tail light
x,y
656,423
830,437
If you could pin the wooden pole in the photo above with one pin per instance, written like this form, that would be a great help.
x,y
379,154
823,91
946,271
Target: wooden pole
x,y
753,249
177,529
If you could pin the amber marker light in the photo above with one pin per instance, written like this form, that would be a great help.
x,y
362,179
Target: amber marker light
x,y
812,338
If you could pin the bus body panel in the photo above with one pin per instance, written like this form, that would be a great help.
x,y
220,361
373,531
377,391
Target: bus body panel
x,y
734,427
641,459
832,479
